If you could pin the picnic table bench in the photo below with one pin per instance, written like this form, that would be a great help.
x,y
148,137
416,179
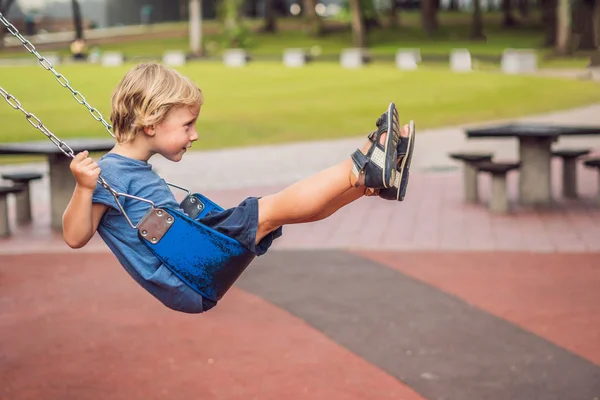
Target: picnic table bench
x,y
535,153
62,182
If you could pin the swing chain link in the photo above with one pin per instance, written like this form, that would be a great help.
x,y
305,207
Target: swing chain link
x,y
62,146
37,123
62,80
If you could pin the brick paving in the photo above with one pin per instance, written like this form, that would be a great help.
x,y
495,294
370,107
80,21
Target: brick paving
x,y
433,217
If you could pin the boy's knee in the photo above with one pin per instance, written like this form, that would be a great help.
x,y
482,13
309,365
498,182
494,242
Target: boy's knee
x,y
265,223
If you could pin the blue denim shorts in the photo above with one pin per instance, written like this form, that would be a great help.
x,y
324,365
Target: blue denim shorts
x,y
240,223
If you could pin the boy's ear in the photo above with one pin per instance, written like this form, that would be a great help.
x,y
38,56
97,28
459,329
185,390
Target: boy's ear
x,y
149,130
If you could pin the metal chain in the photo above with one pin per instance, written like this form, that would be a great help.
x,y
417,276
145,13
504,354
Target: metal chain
x,y
37,123
64,82
62,146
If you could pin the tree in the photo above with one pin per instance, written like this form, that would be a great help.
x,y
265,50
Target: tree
x,y
524,8
429,16
77,20
583,24
394,14
270,17
477,24
195,11
359,37
509,20
563,27
369,14
596,22
4,7
549,21
231,15
314,21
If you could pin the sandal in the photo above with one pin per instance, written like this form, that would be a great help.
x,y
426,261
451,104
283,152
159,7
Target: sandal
x,y
404,158
377,168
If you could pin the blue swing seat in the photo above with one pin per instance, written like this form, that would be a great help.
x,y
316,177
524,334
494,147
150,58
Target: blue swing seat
x,y
206,260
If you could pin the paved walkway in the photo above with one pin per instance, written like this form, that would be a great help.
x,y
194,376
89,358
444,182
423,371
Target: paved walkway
x,y
433,217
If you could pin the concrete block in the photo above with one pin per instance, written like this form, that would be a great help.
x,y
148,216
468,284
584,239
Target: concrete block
x,y
460,60
407,59
235,57
112,59
174,58
353,58
294,58
519,61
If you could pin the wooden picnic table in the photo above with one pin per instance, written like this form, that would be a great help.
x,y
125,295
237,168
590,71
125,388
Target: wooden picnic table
x,y
535,154
62,182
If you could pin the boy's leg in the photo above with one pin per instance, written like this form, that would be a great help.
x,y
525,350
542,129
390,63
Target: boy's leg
x,y
303,199
351,194
307,198
313,198
344,199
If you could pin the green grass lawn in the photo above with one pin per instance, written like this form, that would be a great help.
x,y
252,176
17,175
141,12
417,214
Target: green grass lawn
x,y
267,103
453,33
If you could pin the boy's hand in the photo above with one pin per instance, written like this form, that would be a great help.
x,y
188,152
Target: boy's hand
x,y
85,170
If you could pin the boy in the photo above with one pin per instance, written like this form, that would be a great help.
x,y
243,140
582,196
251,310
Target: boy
x,y
153,111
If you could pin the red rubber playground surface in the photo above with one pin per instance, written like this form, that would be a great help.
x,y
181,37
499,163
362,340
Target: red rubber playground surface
x,y
321,316
75,326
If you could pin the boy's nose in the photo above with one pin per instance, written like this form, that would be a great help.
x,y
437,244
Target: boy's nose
x,y
194,136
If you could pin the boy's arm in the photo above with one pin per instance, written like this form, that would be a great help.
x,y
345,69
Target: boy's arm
x,y
81,218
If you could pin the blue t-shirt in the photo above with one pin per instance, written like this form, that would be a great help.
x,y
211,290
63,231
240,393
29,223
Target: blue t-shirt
x,y
135,177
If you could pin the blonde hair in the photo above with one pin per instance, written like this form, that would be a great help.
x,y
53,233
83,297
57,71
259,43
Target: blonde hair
x,y
145,96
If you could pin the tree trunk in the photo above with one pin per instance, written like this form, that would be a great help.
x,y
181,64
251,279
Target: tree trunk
x,y
453,6
428,17
563,27
252,8
509,20
314,21
583,26
196,47
524,8
369,13
270,17
4,7
477,24
394,14
77,22
231,15
549,21
596,23
359,38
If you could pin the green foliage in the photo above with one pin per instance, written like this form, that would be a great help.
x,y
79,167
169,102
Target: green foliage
x,y
235,33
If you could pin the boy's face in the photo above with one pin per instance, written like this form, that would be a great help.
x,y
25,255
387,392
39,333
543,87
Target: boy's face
x,y
175,135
